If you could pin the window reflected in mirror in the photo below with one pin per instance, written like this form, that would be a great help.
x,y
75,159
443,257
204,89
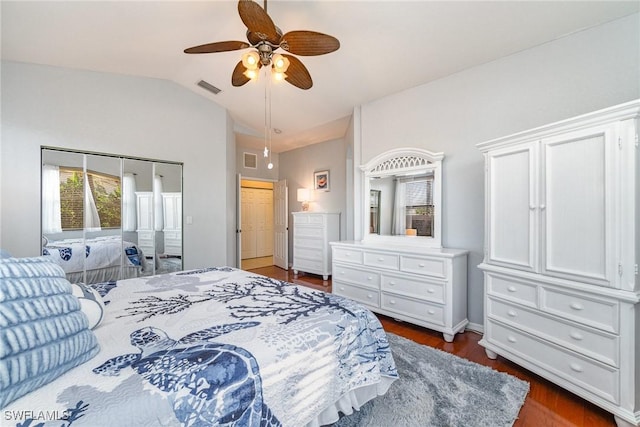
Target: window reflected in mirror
x,y
374,212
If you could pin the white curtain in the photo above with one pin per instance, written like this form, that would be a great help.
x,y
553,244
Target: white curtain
x,y
51,217
128,202
91,217
400,209
158,212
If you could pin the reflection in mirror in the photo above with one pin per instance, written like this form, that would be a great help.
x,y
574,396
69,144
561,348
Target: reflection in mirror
x,y
100,221
407,185
374,211
137,210
167,190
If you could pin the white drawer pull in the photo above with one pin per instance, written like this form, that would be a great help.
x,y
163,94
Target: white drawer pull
x,y
381,259
347,254
575,367
576,306
342,288
512,313
512,289
392,301
421,264
430,291
369,278
431,312
369,296
576,336
511,339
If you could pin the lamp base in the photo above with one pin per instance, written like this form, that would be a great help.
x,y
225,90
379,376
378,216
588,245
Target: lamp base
x,y
305,206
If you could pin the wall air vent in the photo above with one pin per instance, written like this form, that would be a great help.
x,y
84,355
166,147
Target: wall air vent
x,y
208,86
250,160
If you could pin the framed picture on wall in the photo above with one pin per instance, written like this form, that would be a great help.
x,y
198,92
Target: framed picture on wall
x,y
321,180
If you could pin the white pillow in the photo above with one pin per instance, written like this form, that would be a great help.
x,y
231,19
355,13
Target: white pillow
x,y
91,303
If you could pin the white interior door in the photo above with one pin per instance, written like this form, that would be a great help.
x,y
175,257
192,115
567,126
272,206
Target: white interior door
x,y
249,223
264,222
281,224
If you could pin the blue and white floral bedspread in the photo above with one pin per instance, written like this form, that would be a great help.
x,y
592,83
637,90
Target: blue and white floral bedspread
x,y
218,346
96,253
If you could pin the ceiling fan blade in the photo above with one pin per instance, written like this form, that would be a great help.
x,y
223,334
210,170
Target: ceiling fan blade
x,y
217,47
309,43
258,22
237,77
297,73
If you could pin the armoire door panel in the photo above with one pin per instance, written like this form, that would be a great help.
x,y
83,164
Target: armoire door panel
x,y
512,218
576,205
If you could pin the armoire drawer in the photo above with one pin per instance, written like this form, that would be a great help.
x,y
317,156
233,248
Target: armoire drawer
x,y
357,276
308,253
309,265
422,289
431,313
347,255
381,260
599,313
598,345
435,267
308,219
512,289
598,378
367,296
317,244
303,231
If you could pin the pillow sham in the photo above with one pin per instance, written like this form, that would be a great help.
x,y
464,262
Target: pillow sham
x,y
91,303
43,332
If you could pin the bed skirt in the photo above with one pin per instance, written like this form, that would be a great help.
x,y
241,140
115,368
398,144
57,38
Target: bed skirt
x,y
350,401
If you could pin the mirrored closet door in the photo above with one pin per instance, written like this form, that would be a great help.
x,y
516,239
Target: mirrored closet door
x,y
107,217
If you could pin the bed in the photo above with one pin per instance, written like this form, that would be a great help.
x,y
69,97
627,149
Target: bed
x,y
103,257
217,346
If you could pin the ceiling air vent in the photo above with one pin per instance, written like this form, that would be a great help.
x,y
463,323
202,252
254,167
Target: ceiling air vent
x,y
208,86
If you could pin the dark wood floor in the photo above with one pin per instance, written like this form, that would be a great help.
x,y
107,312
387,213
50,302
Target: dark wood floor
x,y
545,405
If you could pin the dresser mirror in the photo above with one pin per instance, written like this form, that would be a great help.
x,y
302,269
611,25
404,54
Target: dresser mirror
x,y
107,217
403,190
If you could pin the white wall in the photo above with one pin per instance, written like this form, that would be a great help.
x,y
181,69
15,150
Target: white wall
x,y
577,74
132,116
297,167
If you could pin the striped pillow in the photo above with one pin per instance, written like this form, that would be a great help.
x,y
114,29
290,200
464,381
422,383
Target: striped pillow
x,y
43,332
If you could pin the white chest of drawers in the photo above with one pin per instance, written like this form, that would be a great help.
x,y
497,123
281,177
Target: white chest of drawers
x,y
312,232
427,287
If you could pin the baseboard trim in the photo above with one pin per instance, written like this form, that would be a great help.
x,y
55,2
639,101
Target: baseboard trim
x,y
475,327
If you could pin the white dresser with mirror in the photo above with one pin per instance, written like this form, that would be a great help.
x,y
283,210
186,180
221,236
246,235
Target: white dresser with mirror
x,y
400,268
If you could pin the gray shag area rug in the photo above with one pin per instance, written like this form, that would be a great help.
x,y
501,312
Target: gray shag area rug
x,y
439,389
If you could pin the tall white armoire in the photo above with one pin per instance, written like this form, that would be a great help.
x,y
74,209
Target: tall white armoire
x,y
562,248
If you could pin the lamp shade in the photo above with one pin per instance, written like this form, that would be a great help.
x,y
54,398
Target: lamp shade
x,y
303,195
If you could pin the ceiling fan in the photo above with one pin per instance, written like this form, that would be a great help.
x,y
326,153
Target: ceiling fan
x,y
266,38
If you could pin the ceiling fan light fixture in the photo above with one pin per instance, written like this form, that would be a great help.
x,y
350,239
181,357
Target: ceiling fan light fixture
x,y
278,76
280,63
251,74
250,60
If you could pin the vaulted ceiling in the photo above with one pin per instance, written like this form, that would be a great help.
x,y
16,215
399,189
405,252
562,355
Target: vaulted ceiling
x,y
386,47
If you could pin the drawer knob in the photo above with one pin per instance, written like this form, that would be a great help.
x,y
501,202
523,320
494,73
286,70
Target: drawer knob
x,y
576,306
430,290
392,283
512,289
575,367
576,336
369,278
369,296
342,288
421,264
512,313
392,301
431,311
380,259
511,339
